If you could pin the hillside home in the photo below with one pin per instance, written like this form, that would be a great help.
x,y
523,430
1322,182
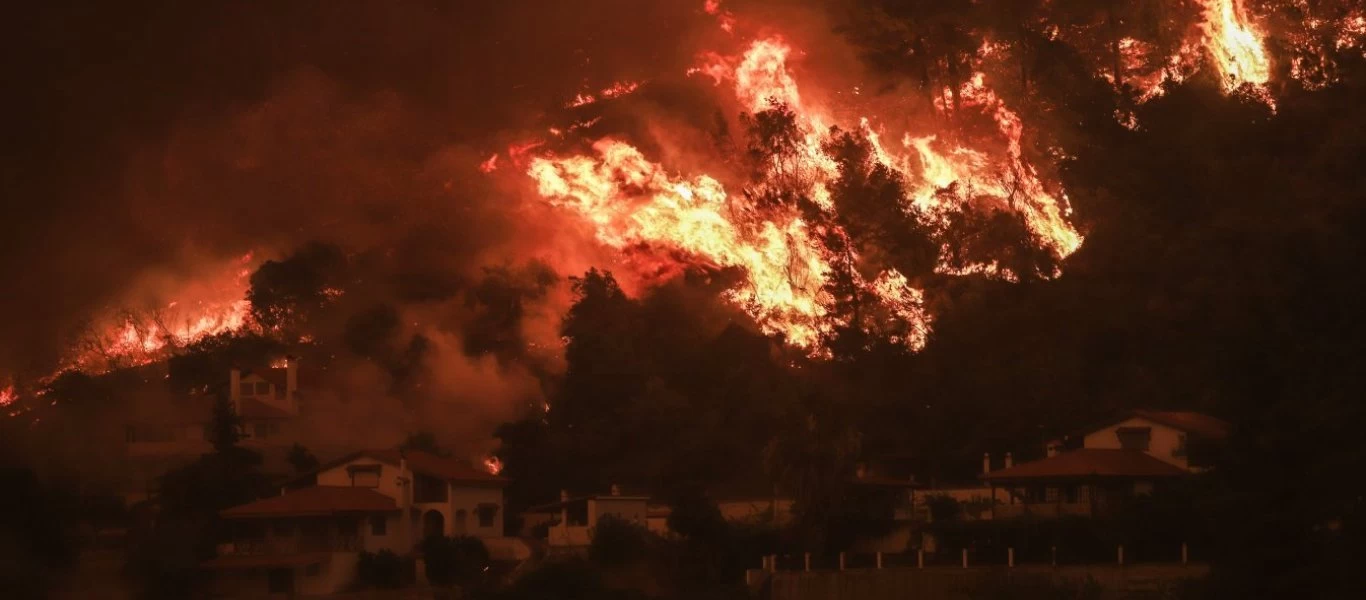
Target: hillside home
x,y
1131,454
308,539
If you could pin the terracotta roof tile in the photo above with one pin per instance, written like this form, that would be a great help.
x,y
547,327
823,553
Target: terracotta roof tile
x,y
1090,462
315,501
1191,422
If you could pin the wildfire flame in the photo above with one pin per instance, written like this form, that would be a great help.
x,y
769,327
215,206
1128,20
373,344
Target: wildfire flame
x,y
633,202
493,465
1235,44
207,307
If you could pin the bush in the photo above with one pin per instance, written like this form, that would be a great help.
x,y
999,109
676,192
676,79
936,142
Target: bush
x,y
383,570
461,561
617,541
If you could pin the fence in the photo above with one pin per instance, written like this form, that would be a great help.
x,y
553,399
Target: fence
x,y
929,577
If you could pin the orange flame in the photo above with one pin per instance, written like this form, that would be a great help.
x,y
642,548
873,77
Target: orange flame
x,y
633,202
493,465
1235,44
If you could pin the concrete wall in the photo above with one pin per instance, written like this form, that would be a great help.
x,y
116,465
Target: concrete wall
x,y
946,583
625,508
757,510
1163,444
388,476
468,499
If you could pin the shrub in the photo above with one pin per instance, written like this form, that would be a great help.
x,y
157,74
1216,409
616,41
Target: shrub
x,y
461,561
383,570
617,541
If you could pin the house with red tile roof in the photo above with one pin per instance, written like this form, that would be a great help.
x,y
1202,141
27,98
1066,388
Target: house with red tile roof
x,y
308,539
1130,454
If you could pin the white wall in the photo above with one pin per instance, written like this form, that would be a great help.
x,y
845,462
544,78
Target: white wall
x,y
629,509
388,477
468,499
1162,445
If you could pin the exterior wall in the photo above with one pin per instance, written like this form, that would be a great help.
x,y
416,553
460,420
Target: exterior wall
x,y
388,477
629,509
468,499
1166,443
757,510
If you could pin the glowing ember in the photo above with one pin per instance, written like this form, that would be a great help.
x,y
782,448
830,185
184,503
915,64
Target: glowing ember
x,y
493,465
616,90
8,396
1235,45
489,165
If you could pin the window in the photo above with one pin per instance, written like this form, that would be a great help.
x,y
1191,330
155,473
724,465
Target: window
x,y
260,430
348,528
1134,438
1180,450
247,388
313,569
281,529
486,513
379,526
1072,494
1052,494
364,475
429,489
262,388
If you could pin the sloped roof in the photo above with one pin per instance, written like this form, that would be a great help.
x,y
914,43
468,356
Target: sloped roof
x,y
1088,463
1200,424
424,463
315,501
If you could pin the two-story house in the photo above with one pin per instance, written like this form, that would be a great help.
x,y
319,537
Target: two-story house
x,y
1128,455
308,539
163,431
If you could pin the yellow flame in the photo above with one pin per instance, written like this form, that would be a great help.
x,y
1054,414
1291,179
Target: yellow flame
x,y
1235,45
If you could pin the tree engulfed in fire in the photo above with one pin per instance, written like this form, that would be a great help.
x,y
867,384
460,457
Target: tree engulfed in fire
x,y
205,307
788,260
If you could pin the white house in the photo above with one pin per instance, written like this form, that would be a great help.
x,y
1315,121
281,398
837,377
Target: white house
x,y
1130,454
572,521
308,539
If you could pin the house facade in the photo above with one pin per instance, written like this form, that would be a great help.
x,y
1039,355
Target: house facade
x,y
1131,455
308,539
571,522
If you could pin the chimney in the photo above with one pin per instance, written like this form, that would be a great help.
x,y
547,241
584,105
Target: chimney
x,y
405,500
1051,448
986,463
616,490
1010,461
292,384
235,389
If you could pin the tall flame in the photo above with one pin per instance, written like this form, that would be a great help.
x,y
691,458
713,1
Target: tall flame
x,y
1235,44
633,202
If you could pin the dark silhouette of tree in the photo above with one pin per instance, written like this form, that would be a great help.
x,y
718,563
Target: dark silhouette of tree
x,y
288,294
301,459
